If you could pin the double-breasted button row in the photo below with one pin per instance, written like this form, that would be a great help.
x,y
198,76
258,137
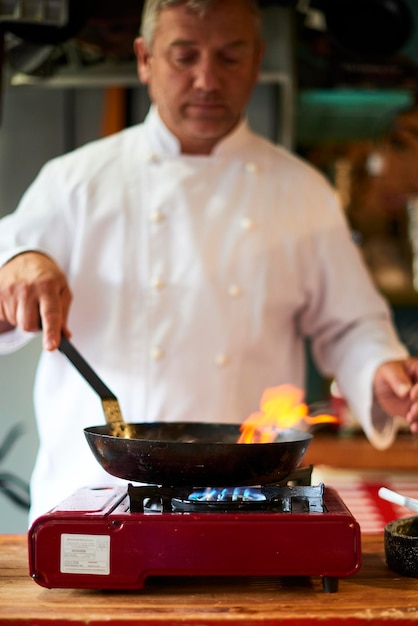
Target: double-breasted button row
x,y
234,290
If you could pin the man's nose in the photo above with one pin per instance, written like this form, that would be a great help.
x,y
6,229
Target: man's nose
x,y
207,75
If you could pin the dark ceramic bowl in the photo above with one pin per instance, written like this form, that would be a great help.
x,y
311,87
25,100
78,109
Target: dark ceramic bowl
x,y
401,546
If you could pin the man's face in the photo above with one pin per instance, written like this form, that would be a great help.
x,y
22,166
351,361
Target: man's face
x,y
201,71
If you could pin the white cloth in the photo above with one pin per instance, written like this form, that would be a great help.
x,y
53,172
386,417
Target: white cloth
x,y
195,281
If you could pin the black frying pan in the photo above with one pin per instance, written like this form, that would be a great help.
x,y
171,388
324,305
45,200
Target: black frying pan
x,y
182,453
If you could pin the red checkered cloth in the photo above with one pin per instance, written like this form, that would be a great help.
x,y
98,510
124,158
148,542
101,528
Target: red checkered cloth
x,y
359,492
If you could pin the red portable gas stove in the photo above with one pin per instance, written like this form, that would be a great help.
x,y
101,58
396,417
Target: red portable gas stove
x,y
117,537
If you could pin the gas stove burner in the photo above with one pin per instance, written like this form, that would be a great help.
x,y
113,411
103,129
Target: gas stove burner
x,y
240,498
279,498
275,498
223,499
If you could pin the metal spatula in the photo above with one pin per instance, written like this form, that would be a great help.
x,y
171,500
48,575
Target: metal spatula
x,y
111,407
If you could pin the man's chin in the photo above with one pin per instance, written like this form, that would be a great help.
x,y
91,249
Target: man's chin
x,y
209,128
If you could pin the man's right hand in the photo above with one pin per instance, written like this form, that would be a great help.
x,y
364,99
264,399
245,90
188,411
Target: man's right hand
x,y
34,293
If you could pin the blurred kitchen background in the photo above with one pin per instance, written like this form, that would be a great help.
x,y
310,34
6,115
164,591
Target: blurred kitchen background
x,y
339,86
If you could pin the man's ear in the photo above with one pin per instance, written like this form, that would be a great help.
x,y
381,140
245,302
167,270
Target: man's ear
x,y
142,60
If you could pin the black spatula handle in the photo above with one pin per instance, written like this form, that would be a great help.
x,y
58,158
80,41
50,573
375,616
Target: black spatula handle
x,y
72,354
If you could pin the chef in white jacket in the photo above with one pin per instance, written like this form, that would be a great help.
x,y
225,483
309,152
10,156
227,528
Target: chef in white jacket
x,y
189,259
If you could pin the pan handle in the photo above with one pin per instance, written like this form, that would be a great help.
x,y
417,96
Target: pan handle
x,y
67,348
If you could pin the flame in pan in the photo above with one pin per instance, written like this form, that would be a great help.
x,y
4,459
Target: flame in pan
x,y
281,407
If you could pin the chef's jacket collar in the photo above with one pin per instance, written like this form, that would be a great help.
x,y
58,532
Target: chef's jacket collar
x,y
165,143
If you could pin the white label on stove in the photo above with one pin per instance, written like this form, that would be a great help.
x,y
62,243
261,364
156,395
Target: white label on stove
x,y
85,554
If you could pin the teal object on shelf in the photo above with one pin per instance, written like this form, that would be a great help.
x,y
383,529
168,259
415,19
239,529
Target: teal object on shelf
x,y
347,114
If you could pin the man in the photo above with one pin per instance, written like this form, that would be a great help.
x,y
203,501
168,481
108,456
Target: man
x,y
188,259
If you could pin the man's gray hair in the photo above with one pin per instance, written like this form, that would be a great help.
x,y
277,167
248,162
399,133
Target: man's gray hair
x,y
153,8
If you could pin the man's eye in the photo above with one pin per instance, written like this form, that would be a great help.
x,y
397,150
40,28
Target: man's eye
x,y
231,60
184,60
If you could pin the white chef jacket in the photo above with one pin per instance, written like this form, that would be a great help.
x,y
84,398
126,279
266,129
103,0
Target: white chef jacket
x,y
196,280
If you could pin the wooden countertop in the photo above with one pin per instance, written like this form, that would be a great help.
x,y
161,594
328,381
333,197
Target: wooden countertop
x,y
373,595
356,452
